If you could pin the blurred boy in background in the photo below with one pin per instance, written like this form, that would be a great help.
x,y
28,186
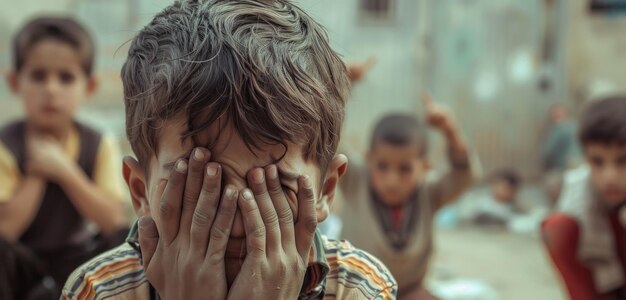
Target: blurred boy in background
x,y
499,206
390,200
560,150
587,238
57,174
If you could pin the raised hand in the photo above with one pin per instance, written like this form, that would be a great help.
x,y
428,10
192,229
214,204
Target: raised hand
x,y
441,118
356,71
438,115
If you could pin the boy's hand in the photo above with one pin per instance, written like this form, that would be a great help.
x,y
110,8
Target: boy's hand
x,y
277,248
438,116
356,71
184,258
47,159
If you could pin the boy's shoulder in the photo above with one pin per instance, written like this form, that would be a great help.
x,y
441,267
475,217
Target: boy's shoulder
x,y
18,126
12,146
14,127
353,272
117,272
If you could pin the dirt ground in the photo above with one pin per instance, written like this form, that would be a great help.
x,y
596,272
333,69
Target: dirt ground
x,y
514,265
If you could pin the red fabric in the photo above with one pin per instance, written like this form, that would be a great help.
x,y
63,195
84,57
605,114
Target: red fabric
x,y
620,238
561,235
397,215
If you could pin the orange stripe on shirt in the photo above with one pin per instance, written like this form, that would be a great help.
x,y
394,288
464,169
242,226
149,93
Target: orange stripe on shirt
x,y
366,269
112,270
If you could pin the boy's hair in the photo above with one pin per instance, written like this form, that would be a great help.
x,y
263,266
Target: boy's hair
x,y
61,29
401,130
509,176
264,66
604,122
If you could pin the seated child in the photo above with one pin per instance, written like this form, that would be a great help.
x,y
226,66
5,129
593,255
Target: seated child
x,y
57,173
234,110
586,239
390,202
499,207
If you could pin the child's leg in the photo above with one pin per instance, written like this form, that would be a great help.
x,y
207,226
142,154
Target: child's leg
x,y
561,235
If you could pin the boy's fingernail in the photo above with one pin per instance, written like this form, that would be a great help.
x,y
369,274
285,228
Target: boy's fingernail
x,y
181,166
211,170
230,192
198,154
247,194
257,176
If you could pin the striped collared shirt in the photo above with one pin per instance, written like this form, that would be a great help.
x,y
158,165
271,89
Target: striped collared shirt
x,y
336,270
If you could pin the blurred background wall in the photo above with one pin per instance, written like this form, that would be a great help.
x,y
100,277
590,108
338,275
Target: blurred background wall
x,y
498,63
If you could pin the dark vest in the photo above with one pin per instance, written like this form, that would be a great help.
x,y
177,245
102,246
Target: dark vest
x,y
57,225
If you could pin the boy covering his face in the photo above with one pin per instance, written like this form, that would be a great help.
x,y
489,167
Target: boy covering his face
x,y
234,110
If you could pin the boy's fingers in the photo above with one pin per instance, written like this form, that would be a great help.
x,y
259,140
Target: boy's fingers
x,y
307,216
257,183
253,224
193,185
205,210
281,205
148,239
370,62
220,231
171,202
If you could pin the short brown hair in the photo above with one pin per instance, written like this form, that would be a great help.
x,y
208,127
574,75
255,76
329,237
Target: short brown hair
x,y
604,122
63,29
265,66
399,129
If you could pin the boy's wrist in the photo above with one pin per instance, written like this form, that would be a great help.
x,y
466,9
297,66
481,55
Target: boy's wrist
x,y
67,175
456,144
450,130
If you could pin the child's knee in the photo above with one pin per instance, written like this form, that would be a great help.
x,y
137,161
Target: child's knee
x,y
560,233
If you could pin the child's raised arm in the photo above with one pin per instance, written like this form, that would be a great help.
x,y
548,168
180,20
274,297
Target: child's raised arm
x,y
440,117
356,71
462,167
353,177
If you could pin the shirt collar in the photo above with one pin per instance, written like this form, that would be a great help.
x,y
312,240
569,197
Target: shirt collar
x,y
314,280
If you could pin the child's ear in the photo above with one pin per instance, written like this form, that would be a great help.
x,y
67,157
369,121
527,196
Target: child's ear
x,y
335,170
11,78
93,82
136,181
